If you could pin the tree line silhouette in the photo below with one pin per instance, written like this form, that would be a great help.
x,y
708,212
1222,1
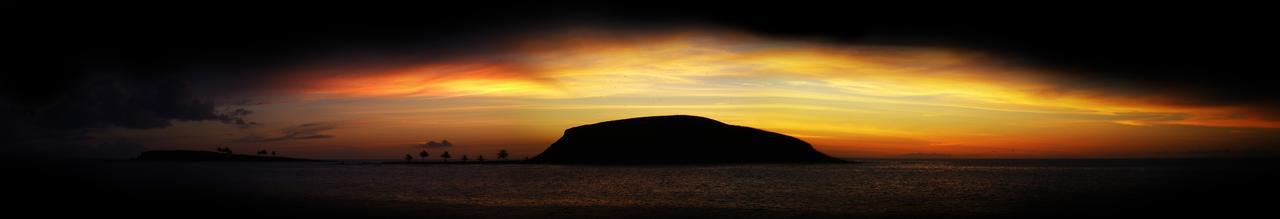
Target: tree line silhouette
x,y
425,156
261,152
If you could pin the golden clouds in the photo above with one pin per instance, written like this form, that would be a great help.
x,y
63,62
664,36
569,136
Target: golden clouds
x,y
906,98
434,80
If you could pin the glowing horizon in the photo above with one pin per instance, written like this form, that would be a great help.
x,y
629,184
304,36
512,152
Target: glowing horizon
x,y
848,101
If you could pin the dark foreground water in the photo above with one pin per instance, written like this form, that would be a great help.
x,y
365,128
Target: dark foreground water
x,y
876,188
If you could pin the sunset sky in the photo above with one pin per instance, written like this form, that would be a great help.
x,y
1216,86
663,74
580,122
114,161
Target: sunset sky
x,y
849,100
916,110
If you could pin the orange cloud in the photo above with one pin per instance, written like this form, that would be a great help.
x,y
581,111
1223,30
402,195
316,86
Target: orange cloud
x,y
908,99
432,79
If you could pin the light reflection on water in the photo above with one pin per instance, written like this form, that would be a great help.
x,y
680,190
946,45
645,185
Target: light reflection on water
x,y
955,187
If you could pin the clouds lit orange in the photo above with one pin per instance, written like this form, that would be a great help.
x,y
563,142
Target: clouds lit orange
x,y
849,100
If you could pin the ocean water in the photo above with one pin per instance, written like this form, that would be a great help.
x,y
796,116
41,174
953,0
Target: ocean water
x,y
875,188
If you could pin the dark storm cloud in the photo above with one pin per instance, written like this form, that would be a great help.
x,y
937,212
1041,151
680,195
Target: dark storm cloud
x,y
137,104
297,132
434,144
68,118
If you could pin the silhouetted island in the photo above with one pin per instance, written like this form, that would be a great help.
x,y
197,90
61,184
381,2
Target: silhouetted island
x,y
677,139
185,155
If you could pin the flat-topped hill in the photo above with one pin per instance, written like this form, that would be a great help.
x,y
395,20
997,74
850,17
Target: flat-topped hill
x,y
678,139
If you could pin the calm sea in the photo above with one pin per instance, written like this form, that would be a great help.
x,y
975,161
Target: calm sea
x,y
875,188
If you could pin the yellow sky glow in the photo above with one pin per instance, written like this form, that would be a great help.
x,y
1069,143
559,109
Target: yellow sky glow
x,y
846,100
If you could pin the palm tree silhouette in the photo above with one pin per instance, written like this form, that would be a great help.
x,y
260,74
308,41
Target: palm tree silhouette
x,y
464,158
446,156
408,158
424,155
502,155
